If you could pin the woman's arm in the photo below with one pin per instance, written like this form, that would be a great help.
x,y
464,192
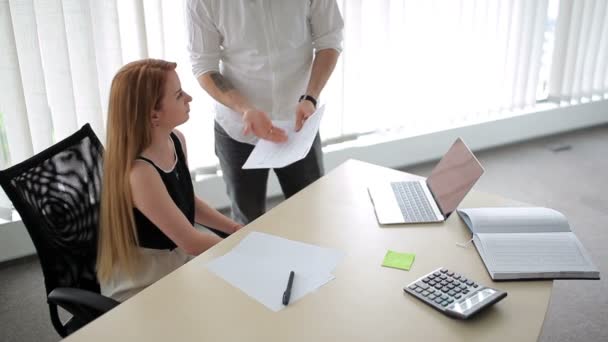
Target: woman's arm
x,y
151,198
210,217
203,213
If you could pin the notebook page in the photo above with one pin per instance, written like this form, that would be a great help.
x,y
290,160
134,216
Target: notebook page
x,y
533,253
514,220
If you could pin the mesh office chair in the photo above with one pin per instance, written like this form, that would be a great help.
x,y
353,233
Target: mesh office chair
x,y
57,193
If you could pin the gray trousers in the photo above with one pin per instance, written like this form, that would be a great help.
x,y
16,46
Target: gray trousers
x,y
247,188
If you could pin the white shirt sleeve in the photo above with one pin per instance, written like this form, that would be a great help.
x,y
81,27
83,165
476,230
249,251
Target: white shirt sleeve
x,y
203,38
327,25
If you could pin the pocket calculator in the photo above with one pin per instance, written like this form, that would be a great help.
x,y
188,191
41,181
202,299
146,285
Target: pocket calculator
x,y
453,294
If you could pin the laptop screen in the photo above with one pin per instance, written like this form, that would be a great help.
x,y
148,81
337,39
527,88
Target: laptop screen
x,y
454,176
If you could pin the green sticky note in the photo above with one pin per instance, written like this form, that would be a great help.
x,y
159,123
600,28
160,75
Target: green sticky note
x,y
402,261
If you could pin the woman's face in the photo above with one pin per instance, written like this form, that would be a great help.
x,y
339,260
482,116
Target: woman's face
x,y
175,103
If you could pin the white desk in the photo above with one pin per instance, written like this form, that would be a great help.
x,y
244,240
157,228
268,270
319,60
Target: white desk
x,y
364,303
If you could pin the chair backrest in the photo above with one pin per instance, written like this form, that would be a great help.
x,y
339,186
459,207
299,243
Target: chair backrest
x,y
57,192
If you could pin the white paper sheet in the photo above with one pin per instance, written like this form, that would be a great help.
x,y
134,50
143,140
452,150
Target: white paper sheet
x,y
260,266
303,257
267,154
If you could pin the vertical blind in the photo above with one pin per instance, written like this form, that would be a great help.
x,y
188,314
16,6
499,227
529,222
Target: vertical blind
x,y
428,65
580,63
412,65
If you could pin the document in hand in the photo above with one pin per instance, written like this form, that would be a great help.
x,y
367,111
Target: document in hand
x,y
260,266
527,243
267,154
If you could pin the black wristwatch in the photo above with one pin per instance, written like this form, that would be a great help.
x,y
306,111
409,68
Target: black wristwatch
x,y
309,98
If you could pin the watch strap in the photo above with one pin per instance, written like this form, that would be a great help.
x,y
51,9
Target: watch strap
x,y
309,98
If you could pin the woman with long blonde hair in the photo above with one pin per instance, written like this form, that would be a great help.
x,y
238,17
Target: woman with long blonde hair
x,y
148,205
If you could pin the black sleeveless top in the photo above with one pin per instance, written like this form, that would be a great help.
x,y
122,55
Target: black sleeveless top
x,y
179,186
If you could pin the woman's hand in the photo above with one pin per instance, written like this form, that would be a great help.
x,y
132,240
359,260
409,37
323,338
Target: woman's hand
x,y
235,228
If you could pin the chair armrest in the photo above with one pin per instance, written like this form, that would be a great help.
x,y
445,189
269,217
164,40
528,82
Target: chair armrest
x,y
84,305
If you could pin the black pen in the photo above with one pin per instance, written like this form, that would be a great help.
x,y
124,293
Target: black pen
x,y
287,292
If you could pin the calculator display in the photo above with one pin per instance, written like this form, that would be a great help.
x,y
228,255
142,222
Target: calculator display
x,y
472,301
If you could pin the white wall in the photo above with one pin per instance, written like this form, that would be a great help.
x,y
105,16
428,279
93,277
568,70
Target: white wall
x,y
389,152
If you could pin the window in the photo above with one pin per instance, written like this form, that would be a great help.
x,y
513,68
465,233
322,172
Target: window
x,y
415,66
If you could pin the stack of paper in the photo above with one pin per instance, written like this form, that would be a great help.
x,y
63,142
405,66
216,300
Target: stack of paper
x,y
261,263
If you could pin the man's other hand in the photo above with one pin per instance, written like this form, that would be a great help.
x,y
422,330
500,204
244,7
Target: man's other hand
x,y
304,110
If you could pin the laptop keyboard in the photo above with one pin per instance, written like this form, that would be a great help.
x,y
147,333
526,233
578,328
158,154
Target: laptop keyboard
x,y
413,203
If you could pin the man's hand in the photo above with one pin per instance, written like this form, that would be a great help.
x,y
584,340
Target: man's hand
x,y
258,123
304,110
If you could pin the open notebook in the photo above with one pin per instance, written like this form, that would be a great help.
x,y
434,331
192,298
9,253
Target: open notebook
x,y
527,243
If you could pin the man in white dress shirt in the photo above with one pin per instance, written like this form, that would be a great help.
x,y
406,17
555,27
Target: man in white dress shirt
x,y
262,60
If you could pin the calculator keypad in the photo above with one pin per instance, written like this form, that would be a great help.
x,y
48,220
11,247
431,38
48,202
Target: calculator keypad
x,y
446,290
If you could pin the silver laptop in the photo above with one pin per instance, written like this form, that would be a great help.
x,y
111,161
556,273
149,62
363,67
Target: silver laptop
x,y
433,199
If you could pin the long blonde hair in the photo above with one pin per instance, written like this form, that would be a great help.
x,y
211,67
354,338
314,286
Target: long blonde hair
x,y
136,90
